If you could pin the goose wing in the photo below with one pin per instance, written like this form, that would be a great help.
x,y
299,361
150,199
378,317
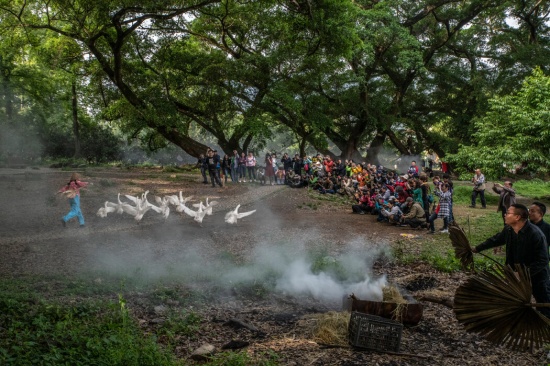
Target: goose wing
x,y
244,214
188,211
132,198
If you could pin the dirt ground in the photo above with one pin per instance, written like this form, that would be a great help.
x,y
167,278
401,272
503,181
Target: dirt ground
x,y
33,242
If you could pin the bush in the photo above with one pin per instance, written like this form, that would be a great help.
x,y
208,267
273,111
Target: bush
x,y
91,333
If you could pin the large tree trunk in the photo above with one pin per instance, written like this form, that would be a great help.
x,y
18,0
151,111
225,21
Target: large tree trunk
x,y
351,151
8,97
375,147
76,124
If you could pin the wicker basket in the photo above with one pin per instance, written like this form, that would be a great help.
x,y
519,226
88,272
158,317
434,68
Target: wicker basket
x,y
374,332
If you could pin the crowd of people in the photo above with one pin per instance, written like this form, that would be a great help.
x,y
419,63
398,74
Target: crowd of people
x,y
404,200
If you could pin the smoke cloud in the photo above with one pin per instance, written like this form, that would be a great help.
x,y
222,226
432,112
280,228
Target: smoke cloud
x,y
290,268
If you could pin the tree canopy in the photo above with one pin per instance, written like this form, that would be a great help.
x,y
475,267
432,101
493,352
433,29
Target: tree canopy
x,y
514,134
354,75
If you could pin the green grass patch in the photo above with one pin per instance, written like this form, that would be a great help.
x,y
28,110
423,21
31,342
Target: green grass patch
x,y
462,194
536,189
79,333
438,251
179,324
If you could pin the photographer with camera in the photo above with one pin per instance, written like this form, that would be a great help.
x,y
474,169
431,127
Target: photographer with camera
x,y
392,212
364,203
479,189
416,217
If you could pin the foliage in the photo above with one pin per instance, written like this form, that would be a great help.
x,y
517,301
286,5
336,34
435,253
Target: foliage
x,y
99,333
514,135
338,74
179,324
98,144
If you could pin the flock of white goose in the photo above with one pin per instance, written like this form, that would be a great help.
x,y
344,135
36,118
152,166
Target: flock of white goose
x,y
137,206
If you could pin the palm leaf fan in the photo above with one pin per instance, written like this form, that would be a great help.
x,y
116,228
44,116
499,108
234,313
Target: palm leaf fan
x,y
497,304
461,245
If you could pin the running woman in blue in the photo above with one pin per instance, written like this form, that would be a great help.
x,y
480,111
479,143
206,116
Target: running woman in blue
x,y
72,190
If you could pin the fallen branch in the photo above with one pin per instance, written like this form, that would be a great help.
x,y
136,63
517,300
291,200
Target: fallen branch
x,y
446,301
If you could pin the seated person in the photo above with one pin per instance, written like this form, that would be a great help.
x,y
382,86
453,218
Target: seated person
x,y
363,205
326,186
392,212
280,175
379,206
415,217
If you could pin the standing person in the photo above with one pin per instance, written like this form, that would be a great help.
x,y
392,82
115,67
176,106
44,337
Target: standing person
x,y
427,197
226,167
235,166
537,210
242,168
413,170
251,167
73,193
287,165
479,189
219,166
417,192
274,159
507,197
269,171
525,245
328,163
447,179
213,163
280,175
442,211
203,165
307,164
297,164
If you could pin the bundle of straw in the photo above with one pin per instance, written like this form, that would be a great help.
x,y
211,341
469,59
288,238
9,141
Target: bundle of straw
x,y
330,328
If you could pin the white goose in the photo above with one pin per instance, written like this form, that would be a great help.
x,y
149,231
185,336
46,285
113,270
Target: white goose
x,y
162,207
137,200
137,211
232,216
208,207
178,201
120,205
196,215
107,208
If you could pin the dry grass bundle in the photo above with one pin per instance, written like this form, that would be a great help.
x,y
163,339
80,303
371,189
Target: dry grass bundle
x,y
461,245
390,293
329,328
497,305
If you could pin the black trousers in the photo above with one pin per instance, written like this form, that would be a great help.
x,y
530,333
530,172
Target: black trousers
x,y
215,177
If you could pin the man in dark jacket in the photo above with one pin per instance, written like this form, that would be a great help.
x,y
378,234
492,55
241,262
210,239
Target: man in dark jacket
x,y
536,215
213,162
287,165
525,245
297,164
507,197
202,163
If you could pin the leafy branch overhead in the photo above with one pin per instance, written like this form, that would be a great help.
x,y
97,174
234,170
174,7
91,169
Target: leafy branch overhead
x,y
352,75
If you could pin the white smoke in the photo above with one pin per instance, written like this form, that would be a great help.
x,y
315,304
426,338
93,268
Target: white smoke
x,y
294,268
